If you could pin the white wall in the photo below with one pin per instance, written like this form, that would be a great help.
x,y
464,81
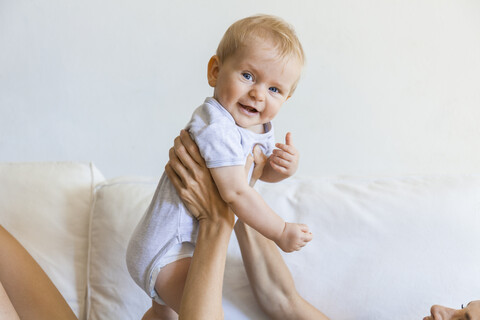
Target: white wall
x,y
390,86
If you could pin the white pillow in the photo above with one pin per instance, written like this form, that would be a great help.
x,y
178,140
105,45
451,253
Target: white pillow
x,y
384,247
46,206
119,205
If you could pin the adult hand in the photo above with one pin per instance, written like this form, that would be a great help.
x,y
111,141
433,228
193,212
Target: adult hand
x,y
191,178
259,160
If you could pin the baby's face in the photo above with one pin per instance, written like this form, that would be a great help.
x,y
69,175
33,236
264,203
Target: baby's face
x,y
253,84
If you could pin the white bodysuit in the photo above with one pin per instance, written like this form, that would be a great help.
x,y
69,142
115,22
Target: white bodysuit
x,y
167,224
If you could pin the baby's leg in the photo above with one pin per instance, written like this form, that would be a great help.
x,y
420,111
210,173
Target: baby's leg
x,y
169,286
171,281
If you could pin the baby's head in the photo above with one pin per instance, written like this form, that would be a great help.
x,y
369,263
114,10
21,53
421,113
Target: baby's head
x,y
256,68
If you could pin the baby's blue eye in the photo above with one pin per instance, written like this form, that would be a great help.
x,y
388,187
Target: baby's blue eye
x,y
273,89
247,76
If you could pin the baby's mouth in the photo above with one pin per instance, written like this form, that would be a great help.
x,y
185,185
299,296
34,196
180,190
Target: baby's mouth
x,y
248,108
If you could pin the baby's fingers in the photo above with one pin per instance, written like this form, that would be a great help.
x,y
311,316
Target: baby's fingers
x,y
307,237
280,161
303,227
287,148
288,138
283,154
278,167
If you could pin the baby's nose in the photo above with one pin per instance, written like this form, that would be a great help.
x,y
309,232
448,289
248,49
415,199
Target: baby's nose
x,y
258,93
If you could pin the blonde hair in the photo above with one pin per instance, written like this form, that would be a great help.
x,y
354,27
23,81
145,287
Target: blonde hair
x,y
265,27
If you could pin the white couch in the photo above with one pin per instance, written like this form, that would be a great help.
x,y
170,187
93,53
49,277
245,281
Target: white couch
x,y
383,248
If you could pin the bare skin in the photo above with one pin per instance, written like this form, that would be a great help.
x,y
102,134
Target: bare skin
x,y
26,292
470,312
195,186
252,85
270,278
7,311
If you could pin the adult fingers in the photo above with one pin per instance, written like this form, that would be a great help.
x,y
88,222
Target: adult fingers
x,y
260,161
248,164
181,154
260,158
191,147
181,145
178,167
174,178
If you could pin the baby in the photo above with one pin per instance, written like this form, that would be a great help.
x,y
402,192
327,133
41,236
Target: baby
x,y
255,70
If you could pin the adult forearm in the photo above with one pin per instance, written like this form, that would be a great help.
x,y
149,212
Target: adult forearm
x,y
270,278
29,289
264,264
202,295
7,311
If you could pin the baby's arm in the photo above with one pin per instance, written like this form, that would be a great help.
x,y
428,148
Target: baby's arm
x,y
250,208
282,163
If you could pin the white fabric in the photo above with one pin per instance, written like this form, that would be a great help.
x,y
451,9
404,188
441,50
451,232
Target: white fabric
x,y
386,247
221,141
167,222
383,247
46,206
119,205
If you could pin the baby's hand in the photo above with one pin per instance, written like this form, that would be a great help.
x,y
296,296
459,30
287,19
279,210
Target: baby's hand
x,y
294,237
284,160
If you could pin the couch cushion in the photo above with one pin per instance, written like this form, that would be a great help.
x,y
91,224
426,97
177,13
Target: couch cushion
x,y
46,206
384,247
119,205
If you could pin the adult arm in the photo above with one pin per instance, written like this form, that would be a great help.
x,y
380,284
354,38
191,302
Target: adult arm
x,y
271,281
202,294
28,288
7,311
269,277
198,192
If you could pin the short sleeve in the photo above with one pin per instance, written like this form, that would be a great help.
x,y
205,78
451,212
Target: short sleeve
x,y
220,144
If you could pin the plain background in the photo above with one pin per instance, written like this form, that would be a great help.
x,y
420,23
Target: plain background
x,y
390,87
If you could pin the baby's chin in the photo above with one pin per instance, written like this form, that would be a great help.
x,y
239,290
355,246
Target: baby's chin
x,y
257,128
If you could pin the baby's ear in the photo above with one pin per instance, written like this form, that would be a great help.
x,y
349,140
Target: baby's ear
x,y
213,69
